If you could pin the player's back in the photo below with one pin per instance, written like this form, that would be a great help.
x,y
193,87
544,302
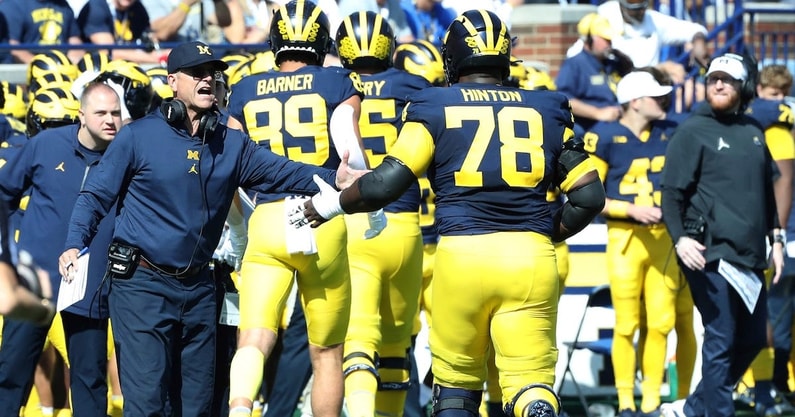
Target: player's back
x,y
771,113
496,151
385,96
289,112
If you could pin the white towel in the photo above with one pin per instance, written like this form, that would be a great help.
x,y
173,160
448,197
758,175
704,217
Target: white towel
x,y
302,239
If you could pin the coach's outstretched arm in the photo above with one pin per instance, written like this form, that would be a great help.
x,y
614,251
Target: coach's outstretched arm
x,y
372,191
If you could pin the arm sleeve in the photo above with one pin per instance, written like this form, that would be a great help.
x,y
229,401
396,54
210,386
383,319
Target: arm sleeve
x,y
5,234
17,173
94,18
582,205
770,197
13,19
264,169
71,29
682,163
674,31
101,189
385,184
673,208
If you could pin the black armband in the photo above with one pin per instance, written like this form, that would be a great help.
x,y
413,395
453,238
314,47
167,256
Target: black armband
x,y
777,237
385,184
582,206
573,154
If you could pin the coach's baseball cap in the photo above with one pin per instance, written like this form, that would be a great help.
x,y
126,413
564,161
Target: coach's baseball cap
x,y
191,54
639,84
730,64
594,24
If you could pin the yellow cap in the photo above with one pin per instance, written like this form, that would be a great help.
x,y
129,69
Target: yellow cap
x,y
594,24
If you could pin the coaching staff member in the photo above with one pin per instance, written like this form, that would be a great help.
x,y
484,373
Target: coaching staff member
x,y
718,206
174,173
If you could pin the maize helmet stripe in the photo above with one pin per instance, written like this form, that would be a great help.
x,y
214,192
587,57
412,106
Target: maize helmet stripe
x,y
489,45
476,39
311,23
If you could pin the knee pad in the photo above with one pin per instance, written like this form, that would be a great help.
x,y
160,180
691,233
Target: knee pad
x,y
361,362
455,402
394,363
533,404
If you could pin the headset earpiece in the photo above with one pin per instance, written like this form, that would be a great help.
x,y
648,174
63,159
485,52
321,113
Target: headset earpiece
x,y
175,113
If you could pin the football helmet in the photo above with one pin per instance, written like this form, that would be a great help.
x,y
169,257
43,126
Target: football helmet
x,y
261,62
421,58
517,75
158,76
235,60
52,107
48,80
15,105
476,39
94,61
538,80
365,39
300,27
51,62
136,84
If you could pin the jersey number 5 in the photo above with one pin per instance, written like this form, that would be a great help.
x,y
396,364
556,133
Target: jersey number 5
x,y
377,136
511,145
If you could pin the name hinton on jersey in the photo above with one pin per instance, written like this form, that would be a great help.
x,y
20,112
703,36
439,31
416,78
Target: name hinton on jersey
x,y
287,83
490,95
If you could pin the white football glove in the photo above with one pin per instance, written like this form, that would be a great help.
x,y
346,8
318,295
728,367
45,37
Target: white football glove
x,y
238,238
327,201
377,220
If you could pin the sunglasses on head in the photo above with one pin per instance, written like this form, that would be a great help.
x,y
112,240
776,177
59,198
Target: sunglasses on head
x,y
634,6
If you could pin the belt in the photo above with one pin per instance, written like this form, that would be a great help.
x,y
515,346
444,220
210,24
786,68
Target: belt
x,y
172,272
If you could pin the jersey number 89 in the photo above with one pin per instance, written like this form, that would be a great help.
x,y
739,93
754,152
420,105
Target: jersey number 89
x,y
302,116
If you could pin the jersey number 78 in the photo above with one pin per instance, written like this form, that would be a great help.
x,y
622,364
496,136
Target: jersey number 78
x,y
503,123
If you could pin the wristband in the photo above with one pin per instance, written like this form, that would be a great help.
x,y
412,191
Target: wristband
x,y
617,209
780,237
184,7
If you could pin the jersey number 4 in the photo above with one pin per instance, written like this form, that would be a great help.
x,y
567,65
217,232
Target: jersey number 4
x,y
504,124
636,181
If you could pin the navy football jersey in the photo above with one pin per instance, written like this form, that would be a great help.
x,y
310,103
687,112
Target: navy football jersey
x,y
771,112
634,164
494,155
385,96
289,112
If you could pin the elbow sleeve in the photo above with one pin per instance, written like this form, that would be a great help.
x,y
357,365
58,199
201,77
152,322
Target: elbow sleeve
x,y
385,184
582,206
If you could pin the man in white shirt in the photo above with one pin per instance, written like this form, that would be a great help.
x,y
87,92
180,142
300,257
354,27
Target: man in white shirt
x,y
643,32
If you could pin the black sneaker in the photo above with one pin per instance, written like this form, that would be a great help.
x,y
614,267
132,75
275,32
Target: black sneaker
x,y
653,413
626,413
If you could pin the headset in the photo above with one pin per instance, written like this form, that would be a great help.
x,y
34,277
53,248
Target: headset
x,y
176,113
748,87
